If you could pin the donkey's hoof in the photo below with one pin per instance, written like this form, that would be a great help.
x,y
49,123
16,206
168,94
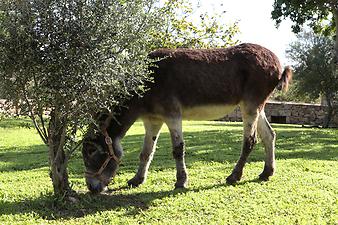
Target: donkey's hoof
x,y
232,179
135,181
263,177
181,184
178,187
266,174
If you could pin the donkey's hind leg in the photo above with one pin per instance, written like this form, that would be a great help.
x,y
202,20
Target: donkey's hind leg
x,y
152,132
175,128
250,117
268,137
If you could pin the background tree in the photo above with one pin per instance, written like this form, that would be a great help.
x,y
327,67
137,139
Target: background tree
x,y
186,25
312,57
320,15
293,95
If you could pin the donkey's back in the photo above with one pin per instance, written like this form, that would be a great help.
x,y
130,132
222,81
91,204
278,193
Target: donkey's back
x,y
209,83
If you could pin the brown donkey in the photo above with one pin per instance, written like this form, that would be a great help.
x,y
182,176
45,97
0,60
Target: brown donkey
x,y
192,84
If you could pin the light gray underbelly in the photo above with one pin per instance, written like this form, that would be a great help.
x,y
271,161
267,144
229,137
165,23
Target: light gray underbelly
x,y
207,112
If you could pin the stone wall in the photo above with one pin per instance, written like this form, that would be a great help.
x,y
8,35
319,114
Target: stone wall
x,y
292,113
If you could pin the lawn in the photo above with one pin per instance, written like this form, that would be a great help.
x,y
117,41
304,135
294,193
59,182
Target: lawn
x,y
304,189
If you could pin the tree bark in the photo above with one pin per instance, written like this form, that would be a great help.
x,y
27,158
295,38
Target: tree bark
x,y
57,157
329,113
336,45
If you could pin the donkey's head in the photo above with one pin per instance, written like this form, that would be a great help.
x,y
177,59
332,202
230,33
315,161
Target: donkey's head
x,y
100,158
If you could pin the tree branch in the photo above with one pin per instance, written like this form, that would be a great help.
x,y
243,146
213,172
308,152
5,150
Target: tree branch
x,y
40,109
43,125
43,136
71,151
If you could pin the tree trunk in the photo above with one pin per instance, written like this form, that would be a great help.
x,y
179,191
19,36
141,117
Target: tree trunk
x,y
336,45
329,113
57,157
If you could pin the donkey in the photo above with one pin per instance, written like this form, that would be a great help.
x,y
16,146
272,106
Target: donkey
x,y
192,84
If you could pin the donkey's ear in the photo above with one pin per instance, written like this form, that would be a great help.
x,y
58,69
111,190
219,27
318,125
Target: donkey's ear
x,y
90,133
101,113
103,120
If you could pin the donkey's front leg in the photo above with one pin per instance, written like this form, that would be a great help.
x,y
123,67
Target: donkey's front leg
x,y
175,128
152,132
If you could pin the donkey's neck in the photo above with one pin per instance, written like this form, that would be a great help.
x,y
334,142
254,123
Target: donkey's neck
x,y
123,120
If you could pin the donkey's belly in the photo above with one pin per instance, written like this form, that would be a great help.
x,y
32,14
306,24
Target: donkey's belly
x,y
207,112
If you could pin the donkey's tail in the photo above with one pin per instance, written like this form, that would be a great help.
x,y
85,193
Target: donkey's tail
x,y
284,81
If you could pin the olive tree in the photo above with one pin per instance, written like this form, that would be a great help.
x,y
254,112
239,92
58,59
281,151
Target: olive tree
x,y
70,58
320,15
312,57
187,25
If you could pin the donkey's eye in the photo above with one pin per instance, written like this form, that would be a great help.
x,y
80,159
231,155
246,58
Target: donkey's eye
x,y
100,149
91,151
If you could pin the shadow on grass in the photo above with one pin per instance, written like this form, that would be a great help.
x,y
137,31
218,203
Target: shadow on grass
x,y
225,146
210,146
47,207
213,145
27,158
313,144
16,122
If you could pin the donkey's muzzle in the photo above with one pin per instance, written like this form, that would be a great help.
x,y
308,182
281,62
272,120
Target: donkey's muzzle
x,y
95,186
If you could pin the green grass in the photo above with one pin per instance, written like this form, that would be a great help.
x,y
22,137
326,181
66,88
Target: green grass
x,y
304,189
